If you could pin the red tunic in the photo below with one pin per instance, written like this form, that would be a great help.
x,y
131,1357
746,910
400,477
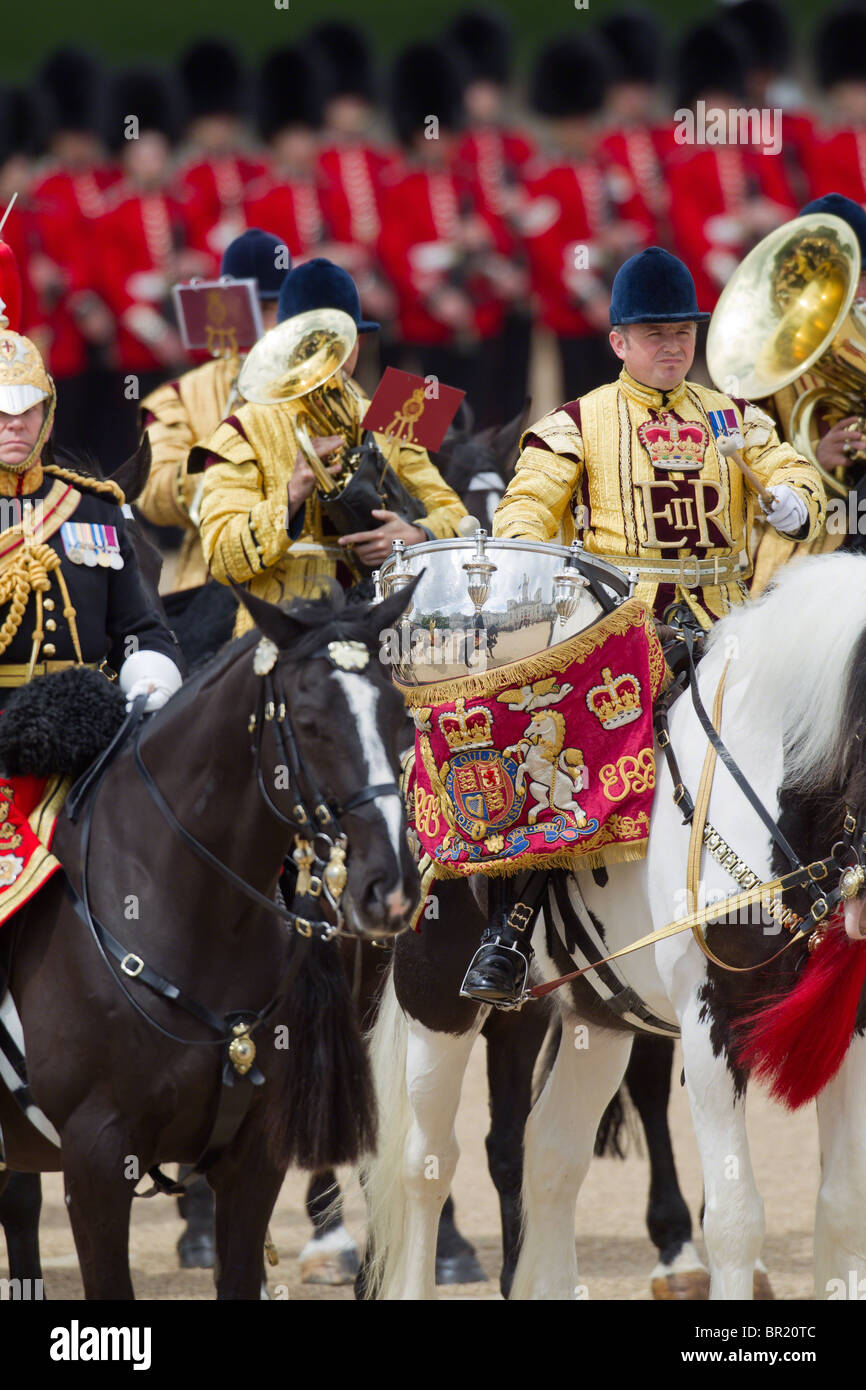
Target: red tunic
x,y
350,179
711,189
634,161
135,245
835,162
421,220
565,214
216,189
291,211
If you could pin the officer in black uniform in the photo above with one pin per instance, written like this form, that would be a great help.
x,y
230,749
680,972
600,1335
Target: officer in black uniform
x,y
70,589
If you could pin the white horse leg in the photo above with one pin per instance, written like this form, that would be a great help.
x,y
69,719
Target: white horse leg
x,y
558,1145
840,1219
435,1065
734,1211
418,1076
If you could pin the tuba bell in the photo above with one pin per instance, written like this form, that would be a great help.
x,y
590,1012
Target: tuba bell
x,y
302,360
789,317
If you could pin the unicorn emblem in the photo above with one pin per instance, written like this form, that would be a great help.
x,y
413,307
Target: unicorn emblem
x,y
554,772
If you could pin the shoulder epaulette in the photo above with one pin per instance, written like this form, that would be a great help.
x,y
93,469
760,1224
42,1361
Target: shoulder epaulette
x,y
103,486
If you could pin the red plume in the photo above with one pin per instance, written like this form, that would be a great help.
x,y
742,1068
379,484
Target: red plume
x,y
798,1043
10,287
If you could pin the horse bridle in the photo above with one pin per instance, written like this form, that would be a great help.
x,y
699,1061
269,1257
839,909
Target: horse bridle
x,y
236,1028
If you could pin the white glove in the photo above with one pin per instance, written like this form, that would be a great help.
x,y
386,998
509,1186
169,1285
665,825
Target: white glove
x,y
788,513
151,674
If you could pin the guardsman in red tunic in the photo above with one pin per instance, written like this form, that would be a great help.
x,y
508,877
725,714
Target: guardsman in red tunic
x,y
287,202
221,170
66,198
352,162
837,160
438,247
724,196
19,127
142,247
769,53
493,155
636,143
572,243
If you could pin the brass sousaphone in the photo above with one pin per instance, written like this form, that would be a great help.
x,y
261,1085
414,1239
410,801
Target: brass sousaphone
x,y
790,311
301,360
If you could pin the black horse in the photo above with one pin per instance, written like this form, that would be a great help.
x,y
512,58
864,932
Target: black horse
x,y
104,1062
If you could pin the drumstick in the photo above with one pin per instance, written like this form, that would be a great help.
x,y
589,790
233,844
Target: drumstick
x,y
727,447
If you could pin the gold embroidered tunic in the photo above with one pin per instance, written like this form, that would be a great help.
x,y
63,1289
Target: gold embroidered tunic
x,y
176,416
244,506
637,470
774,550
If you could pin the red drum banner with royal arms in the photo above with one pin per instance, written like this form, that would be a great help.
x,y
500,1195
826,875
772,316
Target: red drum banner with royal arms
x,y
543,762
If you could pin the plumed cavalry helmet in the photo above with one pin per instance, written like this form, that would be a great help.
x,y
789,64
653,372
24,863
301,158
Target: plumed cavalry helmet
x,y
654,287
23,383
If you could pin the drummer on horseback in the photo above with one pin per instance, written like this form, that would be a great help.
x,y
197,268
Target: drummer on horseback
x,y
643,469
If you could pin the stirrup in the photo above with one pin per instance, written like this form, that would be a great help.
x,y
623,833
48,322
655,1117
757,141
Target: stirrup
x,y
522,991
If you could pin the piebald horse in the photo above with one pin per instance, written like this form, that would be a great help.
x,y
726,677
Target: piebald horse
x,y
793,716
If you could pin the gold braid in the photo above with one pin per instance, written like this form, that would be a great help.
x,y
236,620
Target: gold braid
x,y
30,573
68,475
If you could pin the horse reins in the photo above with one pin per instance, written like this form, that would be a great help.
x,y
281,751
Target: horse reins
x,y
852,876
235,1029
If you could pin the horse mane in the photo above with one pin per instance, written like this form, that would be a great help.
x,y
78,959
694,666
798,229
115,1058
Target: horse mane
x,y
799,655
333,615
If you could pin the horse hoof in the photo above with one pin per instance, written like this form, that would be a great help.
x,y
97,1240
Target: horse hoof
x,y
762,1289
330,1258
692,1284
329,1266
459,1269
196,1250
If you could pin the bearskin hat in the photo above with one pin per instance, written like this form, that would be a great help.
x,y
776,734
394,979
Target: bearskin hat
x,y
291,91
483,42
23,125
636,44
710,57
426,80
840,47
148,94
74,86
212,77
570,77
347,59
767,30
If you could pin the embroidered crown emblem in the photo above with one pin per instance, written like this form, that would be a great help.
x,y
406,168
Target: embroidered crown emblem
x,y
467,729
616,702
673,444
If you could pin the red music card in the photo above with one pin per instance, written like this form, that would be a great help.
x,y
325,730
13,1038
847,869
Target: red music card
x,y
220,316
415,409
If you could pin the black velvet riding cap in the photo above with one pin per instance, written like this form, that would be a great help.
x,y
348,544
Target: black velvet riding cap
x,y
257,255
320,284
837,205
654,287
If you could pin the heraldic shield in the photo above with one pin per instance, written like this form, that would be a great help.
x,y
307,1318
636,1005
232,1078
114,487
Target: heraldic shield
x,y
544,762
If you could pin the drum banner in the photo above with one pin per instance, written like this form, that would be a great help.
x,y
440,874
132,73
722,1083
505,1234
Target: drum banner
x,y
544,762
29,807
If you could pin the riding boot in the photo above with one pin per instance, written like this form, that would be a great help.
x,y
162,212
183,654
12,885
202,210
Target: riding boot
x,y
500,967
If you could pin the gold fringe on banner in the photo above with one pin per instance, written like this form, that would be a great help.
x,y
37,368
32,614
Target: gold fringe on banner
x,y
631,614
595,852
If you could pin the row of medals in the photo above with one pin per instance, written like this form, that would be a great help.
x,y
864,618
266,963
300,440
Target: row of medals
x,y
106,558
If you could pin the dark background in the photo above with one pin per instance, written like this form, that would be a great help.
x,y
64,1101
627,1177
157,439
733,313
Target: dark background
x,y
127,30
